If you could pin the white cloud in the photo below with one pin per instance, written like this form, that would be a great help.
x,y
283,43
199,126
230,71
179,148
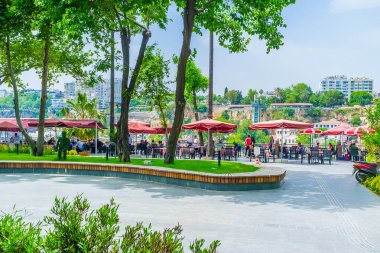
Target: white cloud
x,y
348,5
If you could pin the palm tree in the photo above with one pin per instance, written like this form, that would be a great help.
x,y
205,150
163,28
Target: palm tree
x,y
82,108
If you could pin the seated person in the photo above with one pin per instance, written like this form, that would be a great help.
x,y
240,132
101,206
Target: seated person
x,y
80,146
331,148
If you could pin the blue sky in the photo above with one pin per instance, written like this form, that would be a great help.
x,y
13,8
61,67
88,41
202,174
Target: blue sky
x,y
323,37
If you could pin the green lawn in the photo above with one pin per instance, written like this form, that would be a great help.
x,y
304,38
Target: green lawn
x,y
189,165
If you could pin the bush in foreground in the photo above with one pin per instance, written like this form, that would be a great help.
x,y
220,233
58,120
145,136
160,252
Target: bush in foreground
x,y
373,183
74,227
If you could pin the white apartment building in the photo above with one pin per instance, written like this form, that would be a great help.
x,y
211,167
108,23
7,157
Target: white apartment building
x,y
101,92
58,103
70,90
346,85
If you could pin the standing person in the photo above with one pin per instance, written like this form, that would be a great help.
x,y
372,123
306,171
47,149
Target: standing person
x,y
196,145
271,142
73,139
253,142
248,141
17,141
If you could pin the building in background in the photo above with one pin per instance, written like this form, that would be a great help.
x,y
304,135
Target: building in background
x,y
101,92
328,124
295,106
4,93
346,85
70,90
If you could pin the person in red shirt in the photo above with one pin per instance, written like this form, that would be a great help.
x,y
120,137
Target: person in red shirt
x,y
247,144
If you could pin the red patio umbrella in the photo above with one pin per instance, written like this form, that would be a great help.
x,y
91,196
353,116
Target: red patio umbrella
x,y
161,130
356,131
210,125
311,131
10,126
138,128
279,124
339,130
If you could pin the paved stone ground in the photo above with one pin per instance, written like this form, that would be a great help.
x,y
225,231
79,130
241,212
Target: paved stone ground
x,y
320,208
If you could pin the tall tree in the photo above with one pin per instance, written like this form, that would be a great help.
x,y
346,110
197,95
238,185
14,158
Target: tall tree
x,y
210,90
195,83
233,22
112,85
15,40
154,77
48,41
132,18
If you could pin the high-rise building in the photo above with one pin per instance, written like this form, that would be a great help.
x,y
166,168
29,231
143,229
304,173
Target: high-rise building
x,y
361,84
346,85
70,90
100,91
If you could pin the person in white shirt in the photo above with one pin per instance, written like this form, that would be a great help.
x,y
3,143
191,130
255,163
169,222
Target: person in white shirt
x,y
196,142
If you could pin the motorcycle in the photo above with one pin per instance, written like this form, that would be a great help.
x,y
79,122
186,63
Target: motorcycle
x,y
364,170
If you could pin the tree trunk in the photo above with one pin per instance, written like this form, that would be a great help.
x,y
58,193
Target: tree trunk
x,y
41,120
196,115
123,122
210,90
163,120
188,21
31,142
127,93
112,88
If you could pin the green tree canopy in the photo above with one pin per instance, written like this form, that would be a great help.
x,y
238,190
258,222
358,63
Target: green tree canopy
x,y
299,93
331,98
234,22
356,121
360,98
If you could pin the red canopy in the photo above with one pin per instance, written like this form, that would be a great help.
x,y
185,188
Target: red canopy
x,y
67,123
339,130
355,131
10,125
211,125
310,131
138,128
161,130
278,124
139,122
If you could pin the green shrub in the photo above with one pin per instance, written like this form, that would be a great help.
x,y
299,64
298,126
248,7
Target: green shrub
x,y
74,227
4,148
16,235
72,152
48,150
373,183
